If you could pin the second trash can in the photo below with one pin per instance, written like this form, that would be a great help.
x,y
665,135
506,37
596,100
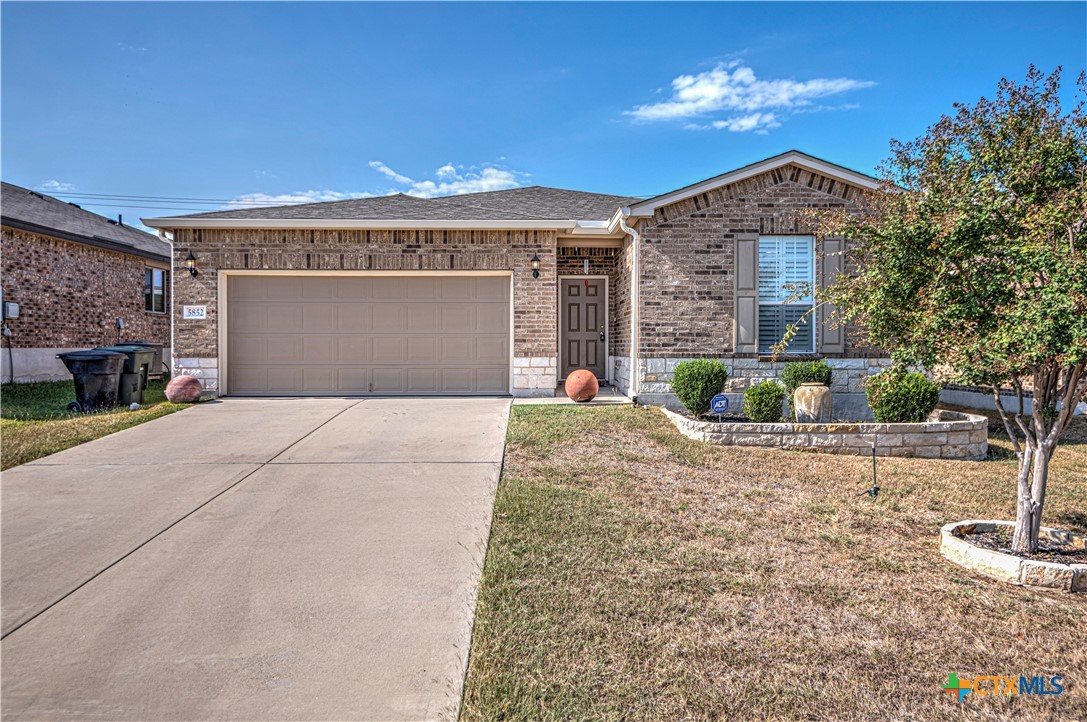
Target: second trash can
x,y
95,374
133,381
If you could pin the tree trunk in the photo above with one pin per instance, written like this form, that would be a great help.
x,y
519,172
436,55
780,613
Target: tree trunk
x,y
1033,475
1024,508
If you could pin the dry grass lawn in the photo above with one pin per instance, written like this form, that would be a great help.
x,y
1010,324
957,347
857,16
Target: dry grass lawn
x,y
34,421
634,574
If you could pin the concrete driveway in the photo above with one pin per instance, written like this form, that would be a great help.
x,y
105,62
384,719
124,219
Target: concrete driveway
x,y
252,559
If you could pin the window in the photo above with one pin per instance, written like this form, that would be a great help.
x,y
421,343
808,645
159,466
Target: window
x,y
154,290
784,261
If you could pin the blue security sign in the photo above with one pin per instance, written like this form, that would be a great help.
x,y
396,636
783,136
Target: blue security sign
x,y
719,404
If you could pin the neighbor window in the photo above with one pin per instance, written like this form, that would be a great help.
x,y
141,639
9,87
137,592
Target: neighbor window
x,y
154,290
786,280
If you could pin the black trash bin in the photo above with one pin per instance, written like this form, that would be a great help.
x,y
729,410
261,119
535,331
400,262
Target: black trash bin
x,y
96,374
157,369
133,379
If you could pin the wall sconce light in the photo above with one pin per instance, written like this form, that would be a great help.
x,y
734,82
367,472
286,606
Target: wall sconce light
x,y
535,263
190,263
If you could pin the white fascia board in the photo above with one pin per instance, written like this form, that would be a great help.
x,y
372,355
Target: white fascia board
x,y
648,207
346,223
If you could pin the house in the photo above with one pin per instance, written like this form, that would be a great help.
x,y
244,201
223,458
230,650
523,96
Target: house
x,y
73,274
506,292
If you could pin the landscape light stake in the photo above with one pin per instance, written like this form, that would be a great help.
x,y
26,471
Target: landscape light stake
x,y
874,491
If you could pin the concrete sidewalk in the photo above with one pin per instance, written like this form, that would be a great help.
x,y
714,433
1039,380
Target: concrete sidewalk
x,y
252,559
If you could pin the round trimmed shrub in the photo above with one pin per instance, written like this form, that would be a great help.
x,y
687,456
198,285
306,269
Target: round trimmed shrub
x,y
897,397
803,372
695,383
762,402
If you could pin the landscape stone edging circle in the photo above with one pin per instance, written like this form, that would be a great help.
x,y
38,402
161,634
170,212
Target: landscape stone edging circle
x,y
1008,567
955,435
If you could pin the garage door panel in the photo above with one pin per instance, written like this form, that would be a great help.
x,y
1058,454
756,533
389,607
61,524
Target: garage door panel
x,y
320,335
457,318
390,349
492,350
390,318
282,349
424,318
492,318
354,318
354,349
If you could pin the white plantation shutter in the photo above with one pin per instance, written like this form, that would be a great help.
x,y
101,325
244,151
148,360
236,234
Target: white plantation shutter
x,y
783,262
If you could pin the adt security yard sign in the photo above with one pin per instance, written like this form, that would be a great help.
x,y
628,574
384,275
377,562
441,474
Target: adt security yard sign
x,y
719,404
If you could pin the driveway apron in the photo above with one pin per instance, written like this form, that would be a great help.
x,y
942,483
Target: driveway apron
x,y
252,559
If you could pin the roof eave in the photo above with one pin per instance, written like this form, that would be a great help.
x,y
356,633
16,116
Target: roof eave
x,y
646,208
572,226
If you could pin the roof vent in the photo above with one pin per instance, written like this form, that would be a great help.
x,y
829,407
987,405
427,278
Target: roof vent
x,y
74,204
39,195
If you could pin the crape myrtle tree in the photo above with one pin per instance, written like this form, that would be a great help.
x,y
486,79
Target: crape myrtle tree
x,y
971,261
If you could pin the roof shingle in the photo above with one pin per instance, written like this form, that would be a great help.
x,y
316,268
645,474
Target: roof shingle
x,y
515,204
20,204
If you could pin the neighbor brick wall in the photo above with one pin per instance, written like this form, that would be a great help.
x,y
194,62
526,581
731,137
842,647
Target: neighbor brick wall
x,y
688,276
70,294
405,250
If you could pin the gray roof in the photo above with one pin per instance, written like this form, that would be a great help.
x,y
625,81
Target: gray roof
x,y
515,204
33,211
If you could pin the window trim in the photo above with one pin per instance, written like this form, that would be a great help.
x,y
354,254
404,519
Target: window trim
x,y
806,301
149,293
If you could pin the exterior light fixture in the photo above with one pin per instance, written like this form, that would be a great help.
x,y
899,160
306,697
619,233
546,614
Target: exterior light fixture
x,y
190,263
535,262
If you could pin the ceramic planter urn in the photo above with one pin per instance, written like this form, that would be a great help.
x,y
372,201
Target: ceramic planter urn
x,y
812,404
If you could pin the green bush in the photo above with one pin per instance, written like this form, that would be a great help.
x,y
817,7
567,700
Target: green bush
x,y
762,402
897,397
696,382
803,372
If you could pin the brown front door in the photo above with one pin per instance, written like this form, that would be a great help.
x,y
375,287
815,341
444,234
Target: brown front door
x,y
583,313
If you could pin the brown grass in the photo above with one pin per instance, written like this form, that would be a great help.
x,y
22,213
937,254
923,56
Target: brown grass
x,y
35,422
634,574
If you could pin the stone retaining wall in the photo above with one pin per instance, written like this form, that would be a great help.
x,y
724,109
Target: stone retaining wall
x,y
949,435
1010,568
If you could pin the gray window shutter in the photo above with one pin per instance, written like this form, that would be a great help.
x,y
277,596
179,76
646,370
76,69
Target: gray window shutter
x,y
832,262
747,296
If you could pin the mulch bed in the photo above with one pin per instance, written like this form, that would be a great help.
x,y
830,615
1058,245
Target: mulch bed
x,y
1048,551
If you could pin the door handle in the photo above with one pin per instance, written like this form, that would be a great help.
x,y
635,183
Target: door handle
x,y
601,335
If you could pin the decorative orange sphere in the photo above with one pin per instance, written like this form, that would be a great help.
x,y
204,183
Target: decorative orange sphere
x,y
581,385
183,390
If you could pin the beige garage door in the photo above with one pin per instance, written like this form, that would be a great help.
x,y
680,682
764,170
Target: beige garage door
x,y
328,335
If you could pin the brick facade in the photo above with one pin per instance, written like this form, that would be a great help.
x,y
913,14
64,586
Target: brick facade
x,y
688,257
71,294
534,308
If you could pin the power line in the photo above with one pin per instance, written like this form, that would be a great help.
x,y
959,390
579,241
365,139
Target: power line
x,y
119,197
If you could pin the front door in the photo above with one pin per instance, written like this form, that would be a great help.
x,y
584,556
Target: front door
x,y
583,314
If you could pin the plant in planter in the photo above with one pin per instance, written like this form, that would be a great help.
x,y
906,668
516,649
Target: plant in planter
x,y
762,402
796,374
972,261
696,382
898,397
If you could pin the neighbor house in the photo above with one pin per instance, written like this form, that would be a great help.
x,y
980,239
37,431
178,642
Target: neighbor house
x,y
73,274
506,292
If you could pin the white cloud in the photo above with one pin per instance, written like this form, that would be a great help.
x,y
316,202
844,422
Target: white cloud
x,y
315,196
55,186
454,180
386,170
734,89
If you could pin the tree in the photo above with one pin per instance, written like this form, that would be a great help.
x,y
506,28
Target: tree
x,y
970,261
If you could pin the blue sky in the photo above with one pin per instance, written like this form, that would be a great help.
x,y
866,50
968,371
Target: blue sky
x,y
323,101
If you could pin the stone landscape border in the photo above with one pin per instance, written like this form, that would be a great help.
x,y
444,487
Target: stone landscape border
x,y
951,435
1010,568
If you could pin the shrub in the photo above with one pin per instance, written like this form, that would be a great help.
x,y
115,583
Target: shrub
x,y
897,397
696,382
762,402
803,372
